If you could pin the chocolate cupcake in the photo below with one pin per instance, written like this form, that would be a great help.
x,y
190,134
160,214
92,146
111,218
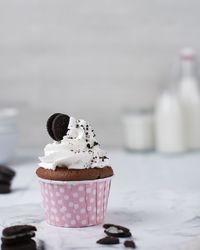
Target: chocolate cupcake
x,y
74,174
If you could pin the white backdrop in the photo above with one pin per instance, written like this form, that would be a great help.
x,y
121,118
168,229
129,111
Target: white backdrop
x,y
89,58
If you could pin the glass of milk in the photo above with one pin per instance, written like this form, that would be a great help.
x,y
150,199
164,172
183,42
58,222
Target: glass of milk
x,y
138,130
8,134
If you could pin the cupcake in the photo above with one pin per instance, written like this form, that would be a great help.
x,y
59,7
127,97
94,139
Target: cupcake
x,y
74,174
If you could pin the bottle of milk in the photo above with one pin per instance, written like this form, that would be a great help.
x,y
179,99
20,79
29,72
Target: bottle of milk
x,y
189,94
169,123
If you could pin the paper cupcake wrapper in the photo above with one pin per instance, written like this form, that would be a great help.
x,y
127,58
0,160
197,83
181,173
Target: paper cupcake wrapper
x,y
75,203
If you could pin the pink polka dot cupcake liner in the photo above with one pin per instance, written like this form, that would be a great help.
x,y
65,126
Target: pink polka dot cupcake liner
x,y
75,203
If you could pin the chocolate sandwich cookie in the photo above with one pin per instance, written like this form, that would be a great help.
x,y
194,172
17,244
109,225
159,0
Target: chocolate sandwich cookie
x,y
6,173
28,245
57,126
116,231
4,188
108,241
17,234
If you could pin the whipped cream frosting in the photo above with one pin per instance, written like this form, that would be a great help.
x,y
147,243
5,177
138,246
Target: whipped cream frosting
x,y
78,149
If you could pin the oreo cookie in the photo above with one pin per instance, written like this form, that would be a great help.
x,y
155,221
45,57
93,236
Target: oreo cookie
x,y
6,173
18,234
6,176
108,241
116,231
57,126
129,244
4,188
28,245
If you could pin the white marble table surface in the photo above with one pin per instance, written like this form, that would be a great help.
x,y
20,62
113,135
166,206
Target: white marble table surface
x,y
157,197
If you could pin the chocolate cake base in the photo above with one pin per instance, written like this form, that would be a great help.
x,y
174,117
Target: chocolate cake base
x,y
65,174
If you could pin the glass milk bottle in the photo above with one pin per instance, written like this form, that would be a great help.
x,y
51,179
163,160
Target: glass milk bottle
x,y
189,94
169,123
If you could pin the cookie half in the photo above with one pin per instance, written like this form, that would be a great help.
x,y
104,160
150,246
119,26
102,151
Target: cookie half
x,y
129,244
116,231
108,241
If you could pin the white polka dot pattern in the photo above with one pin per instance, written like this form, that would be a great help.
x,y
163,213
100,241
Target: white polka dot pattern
x,y
75,205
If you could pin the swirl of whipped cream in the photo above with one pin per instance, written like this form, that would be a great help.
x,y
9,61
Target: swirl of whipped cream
x,y
78,149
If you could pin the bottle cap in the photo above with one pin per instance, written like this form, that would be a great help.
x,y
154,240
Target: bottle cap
x,y
187,53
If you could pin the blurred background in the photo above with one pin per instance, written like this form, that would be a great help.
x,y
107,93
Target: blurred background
x,y
90,59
